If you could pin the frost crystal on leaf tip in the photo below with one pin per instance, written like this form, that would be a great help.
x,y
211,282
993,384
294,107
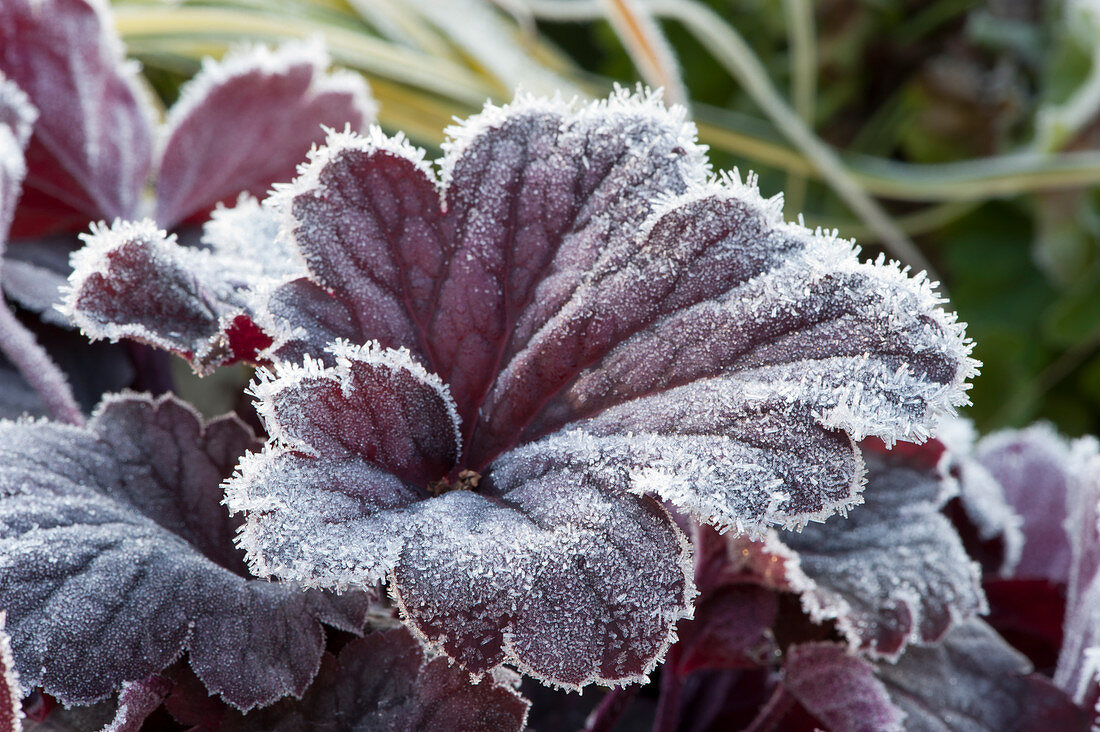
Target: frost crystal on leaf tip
x,y
601,324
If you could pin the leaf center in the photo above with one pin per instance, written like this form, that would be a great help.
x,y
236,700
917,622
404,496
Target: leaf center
x,y
466,480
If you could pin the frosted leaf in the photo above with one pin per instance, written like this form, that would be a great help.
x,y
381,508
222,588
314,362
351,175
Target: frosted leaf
x,y
566,579
133,280
16,118
244,122
507,574
136,701
384,682
973,681
607,323
92,145
893,572
11,707
117,557
534,192
1078,670
1031,466
376,404
840,689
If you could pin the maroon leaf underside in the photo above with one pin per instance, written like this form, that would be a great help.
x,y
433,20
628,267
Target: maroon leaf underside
x,y
839,689
245,124
1077,671
92,145
121,557
383,682
1030,466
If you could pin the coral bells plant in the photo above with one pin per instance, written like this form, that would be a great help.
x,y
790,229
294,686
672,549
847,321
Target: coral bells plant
x,y
562,405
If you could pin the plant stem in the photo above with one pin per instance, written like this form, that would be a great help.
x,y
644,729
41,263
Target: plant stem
x,y
611,708
668,704
771,716
35,365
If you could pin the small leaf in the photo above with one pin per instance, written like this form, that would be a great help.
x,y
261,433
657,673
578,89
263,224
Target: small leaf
x,y
383,682
244,122
840,689
16,118
135,281
118,557
92,145
136,701
893,572
730,629
1031,468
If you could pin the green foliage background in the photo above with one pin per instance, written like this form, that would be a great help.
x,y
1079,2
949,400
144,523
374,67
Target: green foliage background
x,y
956,134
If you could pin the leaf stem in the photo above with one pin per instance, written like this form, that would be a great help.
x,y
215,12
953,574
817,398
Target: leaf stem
x,y
35,365
611,708
668,704
771,716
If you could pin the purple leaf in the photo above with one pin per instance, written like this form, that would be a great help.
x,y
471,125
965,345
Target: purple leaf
x,y
894,571
1078,670
606,323
244,122
384,682
34,272
92,145
1030,466
840,689
973,680
11,706
136,701
135,281
505,574
118,557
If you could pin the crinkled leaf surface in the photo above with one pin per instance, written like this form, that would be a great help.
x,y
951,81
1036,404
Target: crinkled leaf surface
x,y
974,681
840,689
383,682
92,145
1078,670
1030,465
555,570
893,572
117,557
246,121
599,322
134,280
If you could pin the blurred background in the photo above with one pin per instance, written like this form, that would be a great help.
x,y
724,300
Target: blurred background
x,y
958,136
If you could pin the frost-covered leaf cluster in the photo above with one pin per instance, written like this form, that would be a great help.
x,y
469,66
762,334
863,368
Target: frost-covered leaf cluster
x,y
489,370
